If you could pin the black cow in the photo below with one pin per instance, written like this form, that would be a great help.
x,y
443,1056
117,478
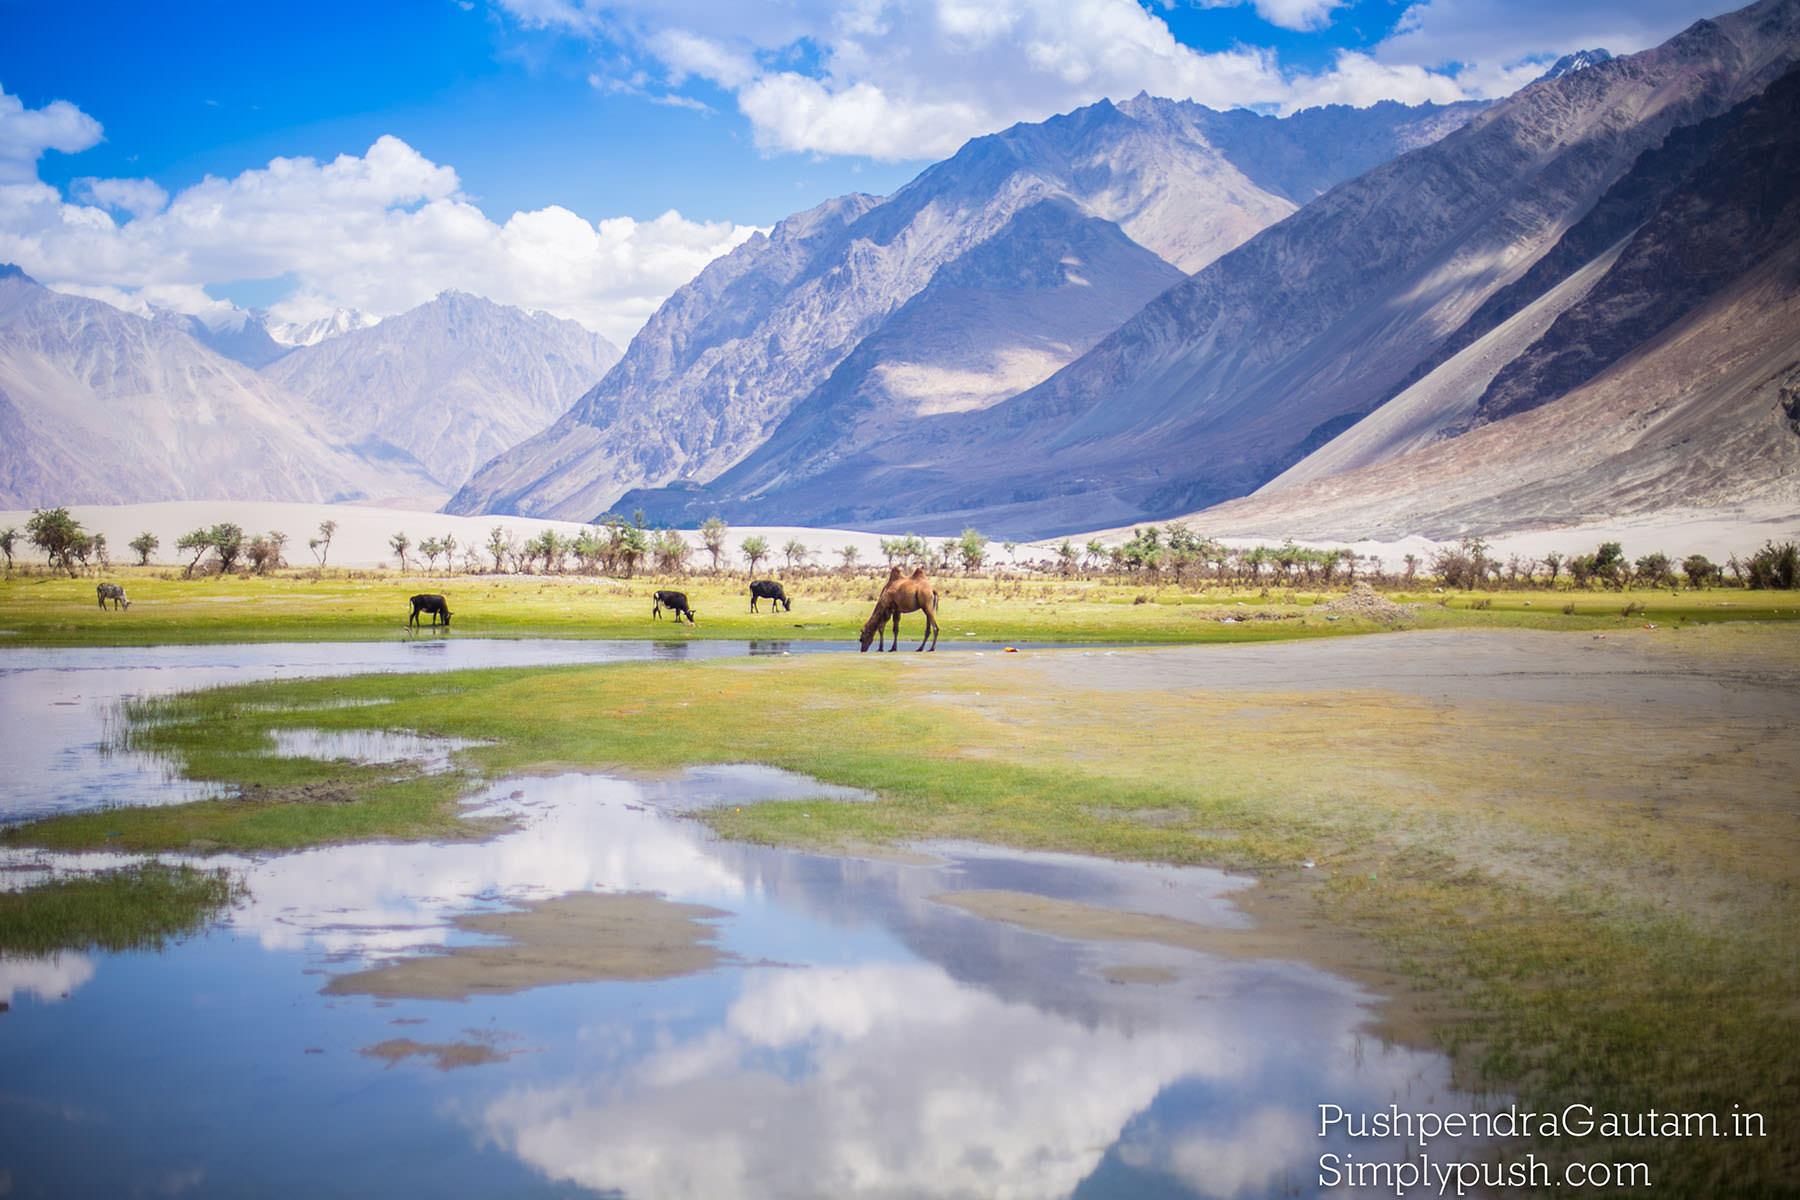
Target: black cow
x,y
114,592
675,602
768,589
429,602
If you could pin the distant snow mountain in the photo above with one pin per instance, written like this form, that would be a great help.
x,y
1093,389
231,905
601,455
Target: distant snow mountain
x,y
449,384
905,306
98,406
1568,64
311,333
239,335
253,337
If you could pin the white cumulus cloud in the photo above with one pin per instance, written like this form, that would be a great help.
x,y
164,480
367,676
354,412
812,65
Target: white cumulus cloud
x,y
914,79
25,133
382,232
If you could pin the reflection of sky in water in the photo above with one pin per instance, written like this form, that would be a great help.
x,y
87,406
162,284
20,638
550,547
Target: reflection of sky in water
x,y
864,1040
57,704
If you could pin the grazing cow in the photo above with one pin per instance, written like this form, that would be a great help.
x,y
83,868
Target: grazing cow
x,y
114,592
429,602
768,589
675,602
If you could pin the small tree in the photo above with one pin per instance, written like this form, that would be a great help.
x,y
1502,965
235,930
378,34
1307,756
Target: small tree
x,y
144,544
755,548
265,552
795,552
431,548
1699,570
197,542
227,541
671,551
498,543
712,536
321,545
1656,570
849,554
1774,566
59,536
1609,564
972,549
401,544
633,545
9,538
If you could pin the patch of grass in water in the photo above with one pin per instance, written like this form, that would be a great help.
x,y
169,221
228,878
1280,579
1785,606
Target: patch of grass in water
x,y
132,908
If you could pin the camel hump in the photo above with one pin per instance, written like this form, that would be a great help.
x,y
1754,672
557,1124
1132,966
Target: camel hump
x,y
919,574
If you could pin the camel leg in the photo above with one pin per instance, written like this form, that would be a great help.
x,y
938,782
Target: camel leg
x,y
931,629
896,644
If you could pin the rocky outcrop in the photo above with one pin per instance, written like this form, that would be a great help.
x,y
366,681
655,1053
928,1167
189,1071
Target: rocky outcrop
x,y
1670,384
1731,211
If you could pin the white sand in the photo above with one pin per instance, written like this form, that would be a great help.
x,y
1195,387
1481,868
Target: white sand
x,y
363,535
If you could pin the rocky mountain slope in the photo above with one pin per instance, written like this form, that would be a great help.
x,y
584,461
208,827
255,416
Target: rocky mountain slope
x,y
1674,379
450,383
1224,381
758,333
101,407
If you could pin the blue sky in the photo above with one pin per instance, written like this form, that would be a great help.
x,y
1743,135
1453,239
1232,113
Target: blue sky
x,y
588,156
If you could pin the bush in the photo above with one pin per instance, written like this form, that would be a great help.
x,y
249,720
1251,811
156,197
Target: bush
x,y
1774,566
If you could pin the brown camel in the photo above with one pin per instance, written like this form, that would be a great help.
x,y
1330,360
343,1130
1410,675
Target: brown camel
x,y
902,596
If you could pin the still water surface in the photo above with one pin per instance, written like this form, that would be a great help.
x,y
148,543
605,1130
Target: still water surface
x,y
860,1036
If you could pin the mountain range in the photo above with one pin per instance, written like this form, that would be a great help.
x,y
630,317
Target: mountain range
x,y
1324,321
1578,302
100,406
984,275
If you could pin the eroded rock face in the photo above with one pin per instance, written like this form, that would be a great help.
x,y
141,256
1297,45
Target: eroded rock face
x,y
1137,193
1726,215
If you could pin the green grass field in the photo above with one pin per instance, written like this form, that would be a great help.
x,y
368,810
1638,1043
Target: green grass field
x,y
54,610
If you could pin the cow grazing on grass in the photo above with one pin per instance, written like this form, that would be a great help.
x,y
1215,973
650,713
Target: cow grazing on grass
x,y
675,602
114,592
768,589
429,602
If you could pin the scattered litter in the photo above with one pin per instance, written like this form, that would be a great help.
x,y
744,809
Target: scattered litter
x,y
1308,864
1647,625
1331,618
1010,650
1599,637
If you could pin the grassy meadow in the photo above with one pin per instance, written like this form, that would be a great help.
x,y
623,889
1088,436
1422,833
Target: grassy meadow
x,y
44,609
1579,904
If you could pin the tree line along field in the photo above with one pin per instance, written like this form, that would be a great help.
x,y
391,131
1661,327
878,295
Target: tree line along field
x,y
1170,554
